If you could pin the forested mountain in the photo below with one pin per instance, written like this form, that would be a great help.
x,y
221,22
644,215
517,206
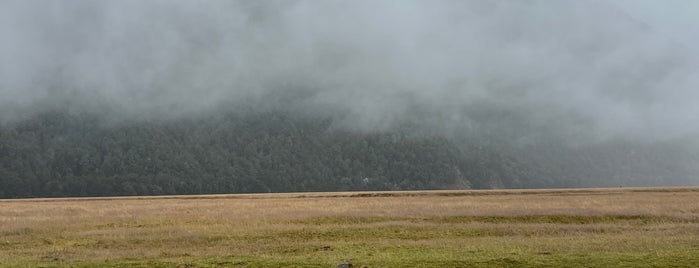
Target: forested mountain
x,y
67,154
125,97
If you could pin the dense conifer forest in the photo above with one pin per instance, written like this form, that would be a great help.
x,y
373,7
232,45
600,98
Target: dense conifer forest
x,y
60,153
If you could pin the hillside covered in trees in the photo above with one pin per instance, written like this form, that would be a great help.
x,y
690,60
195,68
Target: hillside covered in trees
x,y
55,154
102,98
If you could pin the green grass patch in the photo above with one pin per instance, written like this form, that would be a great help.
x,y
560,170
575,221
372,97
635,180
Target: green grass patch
x,y
405,257
519,219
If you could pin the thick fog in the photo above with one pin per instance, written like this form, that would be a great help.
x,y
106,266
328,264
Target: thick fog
x,y
595,68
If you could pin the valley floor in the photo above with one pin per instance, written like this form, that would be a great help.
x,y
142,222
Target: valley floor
x,y
612,227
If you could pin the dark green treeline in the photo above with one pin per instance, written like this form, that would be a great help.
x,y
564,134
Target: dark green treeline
x,y
56,154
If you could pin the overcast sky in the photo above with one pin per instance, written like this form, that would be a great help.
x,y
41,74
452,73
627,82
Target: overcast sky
x,y
624,68
676,19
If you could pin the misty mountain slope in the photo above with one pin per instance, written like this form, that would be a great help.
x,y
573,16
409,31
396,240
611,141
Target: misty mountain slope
x,y
63,154
174,96
554,61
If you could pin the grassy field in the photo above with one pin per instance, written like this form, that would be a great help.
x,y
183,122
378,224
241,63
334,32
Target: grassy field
x,y
624,227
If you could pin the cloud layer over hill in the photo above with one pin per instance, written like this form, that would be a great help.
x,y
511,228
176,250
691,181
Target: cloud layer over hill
x,y
594,68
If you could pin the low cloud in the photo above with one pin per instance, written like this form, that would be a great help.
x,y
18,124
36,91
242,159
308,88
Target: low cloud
x,y
593,68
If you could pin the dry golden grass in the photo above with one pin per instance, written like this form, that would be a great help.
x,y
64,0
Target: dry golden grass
x,y
391,229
